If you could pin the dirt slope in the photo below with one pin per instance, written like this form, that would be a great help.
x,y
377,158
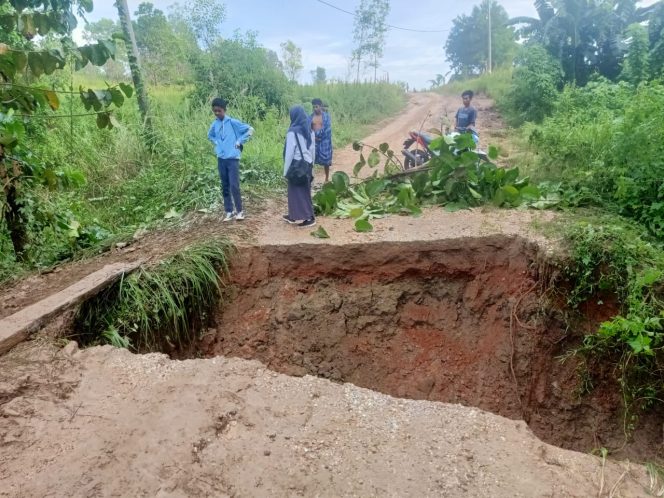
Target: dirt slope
x,y
104,422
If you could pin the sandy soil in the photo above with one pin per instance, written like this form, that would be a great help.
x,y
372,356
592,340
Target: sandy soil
x,y
104,422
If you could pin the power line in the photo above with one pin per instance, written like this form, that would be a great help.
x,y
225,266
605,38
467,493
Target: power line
x,y
388,25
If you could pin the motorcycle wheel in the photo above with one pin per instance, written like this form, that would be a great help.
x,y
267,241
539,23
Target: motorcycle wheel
x,y
420,156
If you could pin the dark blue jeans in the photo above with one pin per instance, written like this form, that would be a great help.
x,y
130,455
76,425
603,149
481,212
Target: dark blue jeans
x,y
229,172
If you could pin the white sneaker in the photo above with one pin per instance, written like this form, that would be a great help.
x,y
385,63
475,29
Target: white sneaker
x,y
228,217
239,216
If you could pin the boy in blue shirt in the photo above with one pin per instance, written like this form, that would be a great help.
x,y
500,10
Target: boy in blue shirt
x,y
228,136
466,116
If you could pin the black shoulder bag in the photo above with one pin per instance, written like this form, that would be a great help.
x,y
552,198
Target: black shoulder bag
x,y
299,172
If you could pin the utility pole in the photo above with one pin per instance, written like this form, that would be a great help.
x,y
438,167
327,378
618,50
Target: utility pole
x,y
490,48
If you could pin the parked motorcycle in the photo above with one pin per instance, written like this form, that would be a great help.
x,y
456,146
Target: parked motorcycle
x,y
422,153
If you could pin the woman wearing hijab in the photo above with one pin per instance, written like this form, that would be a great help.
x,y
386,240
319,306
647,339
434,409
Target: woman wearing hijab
x,y
300,152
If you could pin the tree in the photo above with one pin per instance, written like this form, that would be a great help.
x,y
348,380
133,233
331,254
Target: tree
x,y
134,64
586,36
242,69
318,76
292,59
369,30
164,45
204,17
467,45
22,63
108,29
636,67
656,39
439,80
536,81
376,40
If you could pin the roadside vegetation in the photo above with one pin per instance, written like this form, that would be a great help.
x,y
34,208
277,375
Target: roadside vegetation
x,y
586,121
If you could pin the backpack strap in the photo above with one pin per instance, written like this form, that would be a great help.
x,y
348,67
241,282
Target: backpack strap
x,y
297,141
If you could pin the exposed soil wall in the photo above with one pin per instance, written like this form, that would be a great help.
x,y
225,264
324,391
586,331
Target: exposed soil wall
x,y
458,321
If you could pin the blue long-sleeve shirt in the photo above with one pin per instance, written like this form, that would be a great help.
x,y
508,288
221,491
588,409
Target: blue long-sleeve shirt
x,y
227,135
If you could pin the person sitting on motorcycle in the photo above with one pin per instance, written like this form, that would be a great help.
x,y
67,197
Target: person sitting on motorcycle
x,y
466,116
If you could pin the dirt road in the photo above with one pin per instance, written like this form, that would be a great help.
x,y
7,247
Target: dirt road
x,y
104,422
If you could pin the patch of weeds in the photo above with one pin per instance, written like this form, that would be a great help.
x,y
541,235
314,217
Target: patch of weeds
x,y
157,308
611,256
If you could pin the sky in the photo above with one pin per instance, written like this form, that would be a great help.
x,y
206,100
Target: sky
x,y
325,35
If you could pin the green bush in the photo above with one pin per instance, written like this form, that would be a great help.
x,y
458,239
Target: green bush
x,y
237,69
536,82
600,141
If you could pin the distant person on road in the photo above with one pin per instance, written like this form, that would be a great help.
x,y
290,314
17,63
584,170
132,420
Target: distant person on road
x,y
466,116
299,153
228,136
323,125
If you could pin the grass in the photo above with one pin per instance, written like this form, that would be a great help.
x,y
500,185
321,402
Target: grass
x,y
161,308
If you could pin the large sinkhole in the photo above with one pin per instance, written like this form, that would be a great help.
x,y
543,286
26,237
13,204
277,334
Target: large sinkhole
x,y
459,321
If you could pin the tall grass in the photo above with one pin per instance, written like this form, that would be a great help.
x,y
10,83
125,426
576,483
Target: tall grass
x,y
159,308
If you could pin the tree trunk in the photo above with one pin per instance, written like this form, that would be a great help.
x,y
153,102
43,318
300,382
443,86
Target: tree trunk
x,y
16,225
135,66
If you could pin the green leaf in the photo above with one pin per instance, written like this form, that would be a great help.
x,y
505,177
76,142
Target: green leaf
x,y
320,233
511,195
325,200
474,193
341,181
358,167
363,226
374,187
510,176
356,212
493,152
96,53
116,97
35,63
128,90
498,198
464,141
73,229
357,146
52,99
530,193
103,120
384,147
374,159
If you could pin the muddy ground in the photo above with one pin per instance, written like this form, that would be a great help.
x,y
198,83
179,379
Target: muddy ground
x,y
104,422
